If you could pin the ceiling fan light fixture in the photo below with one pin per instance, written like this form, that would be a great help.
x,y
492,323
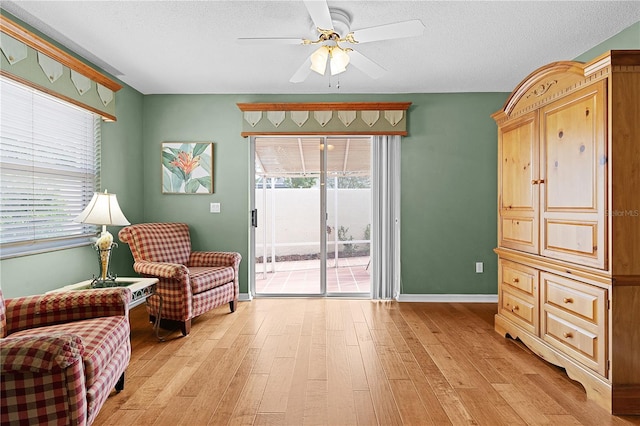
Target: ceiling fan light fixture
x,y
339,60
319,59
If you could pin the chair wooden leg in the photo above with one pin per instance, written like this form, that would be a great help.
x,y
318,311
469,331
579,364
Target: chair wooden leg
x,y
185,328
120,384
232,305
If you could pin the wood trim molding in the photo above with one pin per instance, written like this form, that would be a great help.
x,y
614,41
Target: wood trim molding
x,y
534,79
324,118
593,276
103,114
345,133
626,280
14,30
325,106
542,86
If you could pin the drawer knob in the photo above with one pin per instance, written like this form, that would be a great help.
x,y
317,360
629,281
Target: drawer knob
x,y
516,308
516,280
567,335
567,300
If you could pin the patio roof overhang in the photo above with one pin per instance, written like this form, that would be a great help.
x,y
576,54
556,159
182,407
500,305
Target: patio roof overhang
x,y
299,156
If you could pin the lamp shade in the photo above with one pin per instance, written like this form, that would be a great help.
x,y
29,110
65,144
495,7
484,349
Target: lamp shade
x,y
319,59
339,61
103,209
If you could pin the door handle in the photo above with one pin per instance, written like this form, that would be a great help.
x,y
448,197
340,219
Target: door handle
x,y
254,218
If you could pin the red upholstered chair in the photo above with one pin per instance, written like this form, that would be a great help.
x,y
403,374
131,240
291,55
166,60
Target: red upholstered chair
x,y
61,355
190,283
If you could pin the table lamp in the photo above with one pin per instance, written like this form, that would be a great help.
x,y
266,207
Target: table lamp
x,y
103,209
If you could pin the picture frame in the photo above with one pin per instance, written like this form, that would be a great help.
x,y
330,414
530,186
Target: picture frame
x,y
187,167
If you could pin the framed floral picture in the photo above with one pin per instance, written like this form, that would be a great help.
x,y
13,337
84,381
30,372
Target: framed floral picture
x,y
187,167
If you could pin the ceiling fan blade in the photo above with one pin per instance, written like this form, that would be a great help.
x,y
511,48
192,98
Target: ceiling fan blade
x,y
403,29
270,41
319,11
366,65
303,72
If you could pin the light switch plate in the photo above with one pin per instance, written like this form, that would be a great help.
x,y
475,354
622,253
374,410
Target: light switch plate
x,y
479,267
214,208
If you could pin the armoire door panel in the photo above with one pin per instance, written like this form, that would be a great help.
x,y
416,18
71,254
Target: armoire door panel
x,y
519,231
519,193
518,166
577,239
571,145
573,177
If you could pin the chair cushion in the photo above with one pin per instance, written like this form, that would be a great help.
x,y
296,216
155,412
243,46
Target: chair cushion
x,y
161,242
205,278
101,337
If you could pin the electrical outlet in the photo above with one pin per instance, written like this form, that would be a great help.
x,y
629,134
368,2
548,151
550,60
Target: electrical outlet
x,y
214,208
479,267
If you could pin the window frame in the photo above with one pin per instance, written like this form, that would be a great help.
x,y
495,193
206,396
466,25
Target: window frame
x,y
71,235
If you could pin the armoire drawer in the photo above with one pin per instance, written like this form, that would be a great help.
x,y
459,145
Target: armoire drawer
x,y
574,319
586,346
520,277
519,310
574,298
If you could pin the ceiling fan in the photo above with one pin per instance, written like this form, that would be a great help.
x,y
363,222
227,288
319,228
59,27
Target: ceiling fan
x,y
333,28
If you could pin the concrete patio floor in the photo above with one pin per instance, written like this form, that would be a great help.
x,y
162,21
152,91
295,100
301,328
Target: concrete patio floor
x,y
303,277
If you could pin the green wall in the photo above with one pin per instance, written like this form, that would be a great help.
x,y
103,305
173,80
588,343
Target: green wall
x,y
449,188
629,38
448,217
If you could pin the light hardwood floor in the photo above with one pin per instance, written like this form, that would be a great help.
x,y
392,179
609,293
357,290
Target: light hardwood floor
x,y
344,362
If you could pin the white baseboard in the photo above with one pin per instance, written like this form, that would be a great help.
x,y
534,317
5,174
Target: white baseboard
x,y
441,298
244,297
449,298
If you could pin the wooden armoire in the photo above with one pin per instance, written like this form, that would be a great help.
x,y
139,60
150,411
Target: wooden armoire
x,y
569,222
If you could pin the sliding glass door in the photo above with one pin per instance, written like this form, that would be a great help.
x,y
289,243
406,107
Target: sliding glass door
x,y
348,212
312,216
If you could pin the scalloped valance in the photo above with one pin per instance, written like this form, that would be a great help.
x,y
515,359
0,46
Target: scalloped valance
x,y
35,62
325,118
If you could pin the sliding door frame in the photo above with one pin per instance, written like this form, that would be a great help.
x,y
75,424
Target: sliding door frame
x,y
323,224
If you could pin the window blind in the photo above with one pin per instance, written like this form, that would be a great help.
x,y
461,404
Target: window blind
x,y
49,170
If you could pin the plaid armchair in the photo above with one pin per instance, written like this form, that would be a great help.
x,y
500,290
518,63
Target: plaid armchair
x,y
61,354
190,283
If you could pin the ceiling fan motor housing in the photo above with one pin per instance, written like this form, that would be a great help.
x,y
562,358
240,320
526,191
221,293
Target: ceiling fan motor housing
x,y
341,21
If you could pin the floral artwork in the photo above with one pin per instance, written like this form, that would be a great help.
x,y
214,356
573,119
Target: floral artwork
x,y
187,167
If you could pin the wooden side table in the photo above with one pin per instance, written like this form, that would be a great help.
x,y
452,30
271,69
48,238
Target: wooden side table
x,y
141,289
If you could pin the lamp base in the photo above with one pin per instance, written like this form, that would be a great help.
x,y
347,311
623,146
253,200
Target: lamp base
x,y
106,279
99,282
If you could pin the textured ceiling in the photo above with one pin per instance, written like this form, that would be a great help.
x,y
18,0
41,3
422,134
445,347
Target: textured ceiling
x,y
187,47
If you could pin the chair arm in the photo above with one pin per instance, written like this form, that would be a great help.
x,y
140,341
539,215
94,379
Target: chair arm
x,y
215,258
40,353
174,271
59,307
